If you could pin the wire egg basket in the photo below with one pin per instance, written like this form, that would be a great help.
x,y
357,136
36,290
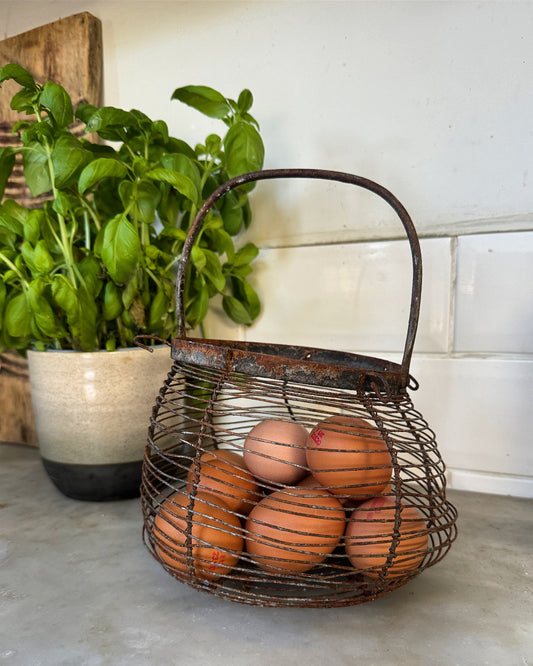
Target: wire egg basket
x,y
280,475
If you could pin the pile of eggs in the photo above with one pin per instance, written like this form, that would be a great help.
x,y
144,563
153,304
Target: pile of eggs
x,y
290,500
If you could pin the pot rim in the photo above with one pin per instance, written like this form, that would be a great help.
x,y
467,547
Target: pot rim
x,y
97,351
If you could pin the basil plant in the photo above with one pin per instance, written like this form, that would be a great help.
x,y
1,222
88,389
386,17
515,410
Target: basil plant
x,y
95,265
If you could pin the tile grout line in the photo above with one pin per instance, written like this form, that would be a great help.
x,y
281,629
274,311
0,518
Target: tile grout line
x,y
453,295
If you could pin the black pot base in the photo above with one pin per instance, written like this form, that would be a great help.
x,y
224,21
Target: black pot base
x,y
96,483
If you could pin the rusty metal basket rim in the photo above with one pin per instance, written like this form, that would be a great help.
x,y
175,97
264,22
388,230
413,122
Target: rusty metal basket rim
x,y
300,365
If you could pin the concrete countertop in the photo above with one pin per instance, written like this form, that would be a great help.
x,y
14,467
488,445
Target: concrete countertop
x,y
78,587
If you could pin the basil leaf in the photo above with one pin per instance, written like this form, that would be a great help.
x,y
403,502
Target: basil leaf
x,y
223,243
236,311
183,164
62,203
213,144
64,294
68,158
102,167
160,131
3,294
213,271
183,184
125,190
204,99
120,248
144,197
7,238
32,226
17,317
23,101
169,207
142,122
250,119
111,123
43,260
13,209
174,233
10,227
180,146
247,212
244,149
198,302
42,312
18,74
131,290
92,275
87,339
212,222
245,294
98,242
112,301
36,173
42,133
158,309
198,258
85,111
110,116
80,311
99,149
26,251
232,214
239,271
245,101
56,99
20,126
245,254
254,304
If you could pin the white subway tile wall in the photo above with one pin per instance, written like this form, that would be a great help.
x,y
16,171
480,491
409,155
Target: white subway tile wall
x,y
494,295
480,410
295,212
354,297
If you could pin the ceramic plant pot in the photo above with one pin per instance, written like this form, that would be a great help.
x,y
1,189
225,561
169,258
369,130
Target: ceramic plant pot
x,y
92,413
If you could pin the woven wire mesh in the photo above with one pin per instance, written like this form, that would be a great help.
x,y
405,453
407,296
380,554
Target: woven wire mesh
x,y
201,410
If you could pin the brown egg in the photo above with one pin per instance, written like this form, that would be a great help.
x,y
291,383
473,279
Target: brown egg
x,y
275,451
348,456
369,537
216,535
223,473
293,530
309,481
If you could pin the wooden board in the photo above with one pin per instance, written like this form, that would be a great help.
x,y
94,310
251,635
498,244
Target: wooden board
x,y
69,52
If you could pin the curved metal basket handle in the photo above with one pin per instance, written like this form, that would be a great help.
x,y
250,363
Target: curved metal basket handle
x,y
321,175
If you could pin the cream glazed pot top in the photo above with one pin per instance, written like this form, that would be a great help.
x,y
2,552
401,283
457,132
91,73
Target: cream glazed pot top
x,y
94,407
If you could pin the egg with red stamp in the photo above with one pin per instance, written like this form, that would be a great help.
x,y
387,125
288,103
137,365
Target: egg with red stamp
x,y
349,457
215,531
223,472
370,536
294,529
274,450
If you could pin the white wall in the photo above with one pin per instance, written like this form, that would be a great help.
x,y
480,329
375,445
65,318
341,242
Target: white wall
x,y
432,100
